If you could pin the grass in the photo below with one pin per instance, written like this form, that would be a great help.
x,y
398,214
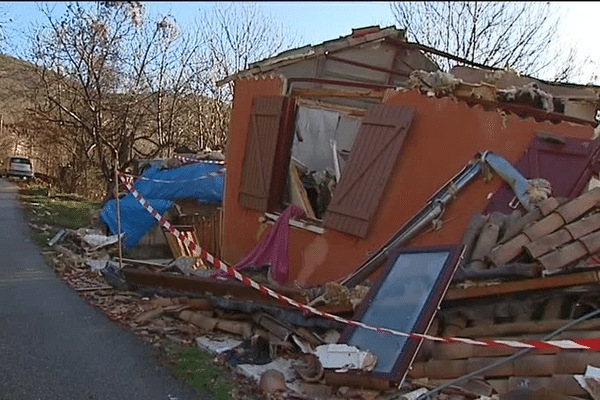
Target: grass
x,y
200,371
62,211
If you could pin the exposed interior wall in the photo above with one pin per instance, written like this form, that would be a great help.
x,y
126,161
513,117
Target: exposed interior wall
x,y
444,136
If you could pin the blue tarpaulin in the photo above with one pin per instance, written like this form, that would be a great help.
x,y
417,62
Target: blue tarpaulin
x,y
161,188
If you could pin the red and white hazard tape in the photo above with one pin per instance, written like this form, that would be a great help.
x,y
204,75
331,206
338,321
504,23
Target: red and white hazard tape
x,y
580,344
210,175
188,160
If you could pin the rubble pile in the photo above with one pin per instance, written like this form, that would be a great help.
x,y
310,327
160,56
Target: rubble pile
x,y
523,276
260,341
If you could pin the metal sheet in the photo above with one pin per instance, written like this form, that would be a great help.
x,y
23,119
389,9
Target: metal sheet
x,y
405,299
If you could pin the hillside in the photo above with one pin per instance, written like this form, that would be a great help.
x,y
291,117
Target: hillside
x,y
18,80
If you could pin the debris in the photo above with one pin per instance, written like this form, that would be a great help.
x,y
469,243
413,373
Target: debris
x,y
255,371
344,357
97,265
145,316
530,94
272,381
96,242
272,325
217,344
243,329
317,392
60,235
298,193
203,322
253,351
414,395
436,83
309,368
93,288
304,347
114,276
590,381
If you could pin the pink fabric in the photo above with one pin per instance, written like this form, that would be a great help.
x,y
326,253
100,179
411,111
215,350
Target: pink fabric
x,y
273,249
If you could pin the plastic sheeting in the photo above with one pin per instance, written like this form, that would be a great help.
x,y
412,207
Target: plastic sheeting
x,y
186,182
161,188
135,220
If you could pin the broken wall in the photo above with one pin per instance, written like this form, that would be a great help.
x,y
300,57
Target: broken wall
x,y
445,134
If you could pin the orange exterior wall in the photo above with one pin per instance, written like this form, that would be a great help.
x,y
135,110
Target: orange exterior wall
x,y
443,137
239,223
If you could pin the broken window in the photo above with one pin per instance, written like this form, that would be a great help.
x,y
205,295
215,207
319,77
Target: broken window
x,y
322,141
322,158
405,299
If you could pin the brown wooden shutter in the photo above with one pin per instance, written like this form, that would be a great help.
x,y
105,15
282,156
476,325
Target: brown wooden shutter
x,y
365,176
266,144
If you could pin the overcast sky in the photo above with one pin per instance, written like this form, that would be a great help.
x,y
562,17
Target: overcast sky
x,y
315,22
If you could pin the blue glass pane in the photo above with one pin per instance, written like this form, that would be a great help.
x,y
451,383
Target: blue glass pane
x,y
397,305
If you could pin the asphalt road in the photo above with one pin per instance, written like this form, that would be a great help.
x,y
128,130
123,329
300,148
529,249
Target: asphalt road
x,y
53,345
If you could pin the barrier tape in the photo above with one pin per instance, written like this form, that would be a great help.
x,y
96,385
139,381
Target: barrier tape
x,y
210,175
189,160
580,344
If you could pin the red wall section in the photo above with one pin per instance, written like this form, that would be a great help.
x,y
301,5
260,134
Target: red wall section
x,y
239,223
443,137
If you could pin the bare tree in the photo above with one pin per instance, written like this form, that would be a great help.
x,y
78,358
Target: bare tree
x,y
522,36
116,77
237,34
117,85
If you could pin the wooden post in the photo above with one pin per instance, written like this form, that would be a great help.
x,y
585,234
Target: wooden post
x,y
116,189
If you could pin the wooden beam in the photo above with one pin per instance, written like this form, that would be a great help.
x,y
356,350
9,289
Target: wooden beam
x,y
370,94
529,327
509,288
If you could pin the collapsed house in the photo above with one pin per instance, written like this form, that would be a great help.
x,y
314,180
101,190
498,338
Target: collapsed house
x,y
356,164
385,152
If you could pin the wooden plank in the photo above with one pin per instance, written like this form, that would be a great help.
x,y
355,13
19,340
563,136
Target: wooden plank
x,y
523,328
298,193
461,351
297,224
370,94
526,285
445,369
567,362
352,379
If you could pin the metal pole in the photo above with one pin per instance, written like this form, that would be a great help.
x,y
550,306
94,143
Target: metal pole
x,y
428,213
116,189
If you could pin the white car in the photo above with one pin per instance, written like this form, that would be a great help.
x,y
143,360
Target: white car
x,y
19,167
